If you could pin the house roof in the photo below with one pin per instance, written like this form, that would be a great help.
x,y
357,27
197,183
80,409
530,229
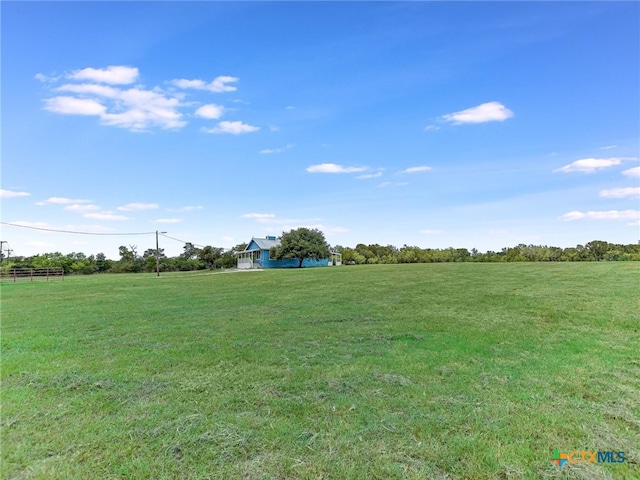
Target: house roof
x,y
264,243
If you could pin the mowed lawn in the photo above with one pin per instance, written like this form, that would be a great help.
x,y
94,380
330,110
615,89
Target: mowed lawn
x,y
446,371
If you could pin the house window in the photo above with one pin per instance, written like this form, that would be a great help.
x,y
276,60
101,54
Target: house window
x,y
258,253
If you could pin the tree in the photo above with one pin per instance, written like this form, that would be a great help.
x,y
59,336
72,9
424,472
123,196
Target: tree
x,y
300,244
190,251
208,255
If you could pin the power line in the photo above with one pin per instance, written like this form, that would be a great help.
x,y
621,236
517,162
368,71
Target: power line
x,y
77,233
181,241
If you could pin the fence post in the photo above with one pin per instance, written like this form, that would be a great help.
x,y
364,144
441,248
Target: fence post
x,y
32,274
14,275
47,274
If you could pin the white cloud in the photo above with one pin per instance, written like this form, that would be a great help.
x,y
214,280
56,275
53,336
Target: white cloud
x,y
114,75
431,128
486,112
136,206
260,217
218,85
187,208
90,89
608,147
234,128
12,194
62,201
45,78
32,224
211,111
81,208
134,108
334,168
632,172
589,165
602,215
431,232
369,175
168,220
625,192
268,151
74,106
419,169
105,216
144,109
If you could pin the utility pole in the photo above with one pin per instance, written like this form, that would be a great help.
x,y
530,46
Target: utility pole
x,y
1,255
158,254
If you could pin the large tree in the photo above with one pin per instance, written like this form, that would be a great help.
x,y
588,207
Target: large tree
x,y
300,244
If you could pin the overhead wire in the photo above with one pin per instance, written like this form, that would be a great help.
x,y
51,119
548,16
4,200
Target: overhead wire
x,y
181,241
70,231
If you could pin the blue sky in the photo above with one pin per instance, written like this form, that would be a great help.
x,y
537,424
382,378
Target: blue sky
x,y
433,124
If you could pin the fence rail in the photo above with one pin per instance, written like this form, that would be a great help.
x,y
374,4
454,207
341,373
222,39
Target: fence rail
x,y
38,273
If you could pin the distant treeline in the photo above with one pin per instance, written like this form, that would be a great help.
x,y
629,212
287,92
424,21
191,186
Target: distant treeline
x,y
214,257
591,252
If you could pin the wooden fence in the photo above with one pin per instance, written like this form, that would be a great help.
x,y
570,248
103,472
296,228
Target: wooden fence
x,y
16,274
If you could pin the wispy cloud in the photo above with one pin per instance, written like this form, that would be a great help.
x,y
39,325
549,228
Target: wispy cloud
x,y
365,176
168,220
334,168
431,128
46,78
632,172
217,85
268,151
602,215
431,232
608,147
188,208
106,216
259,217
625,192
420,169
211,111
589,165
486,112
114,75
62,201
12,194
78,208
136,206
234,128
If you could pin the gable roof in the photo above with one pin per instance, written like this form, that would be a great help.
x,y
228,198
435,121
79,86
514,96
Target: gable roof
x,y
264,243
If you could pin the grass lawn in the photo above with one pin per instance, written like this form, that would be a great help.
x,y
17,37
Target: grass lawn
x,y
445,371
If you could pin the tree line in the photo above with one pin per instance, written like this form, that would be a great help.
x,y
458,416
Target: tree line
x,y
131,261
596,250
209,257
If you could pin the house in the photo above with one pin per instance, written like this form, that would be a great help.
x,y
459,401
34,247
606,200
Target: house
x,y
256,255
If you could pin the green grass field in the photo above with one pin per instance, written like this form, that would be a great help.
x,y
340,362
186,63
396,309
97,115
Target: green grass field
x,y
445,371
